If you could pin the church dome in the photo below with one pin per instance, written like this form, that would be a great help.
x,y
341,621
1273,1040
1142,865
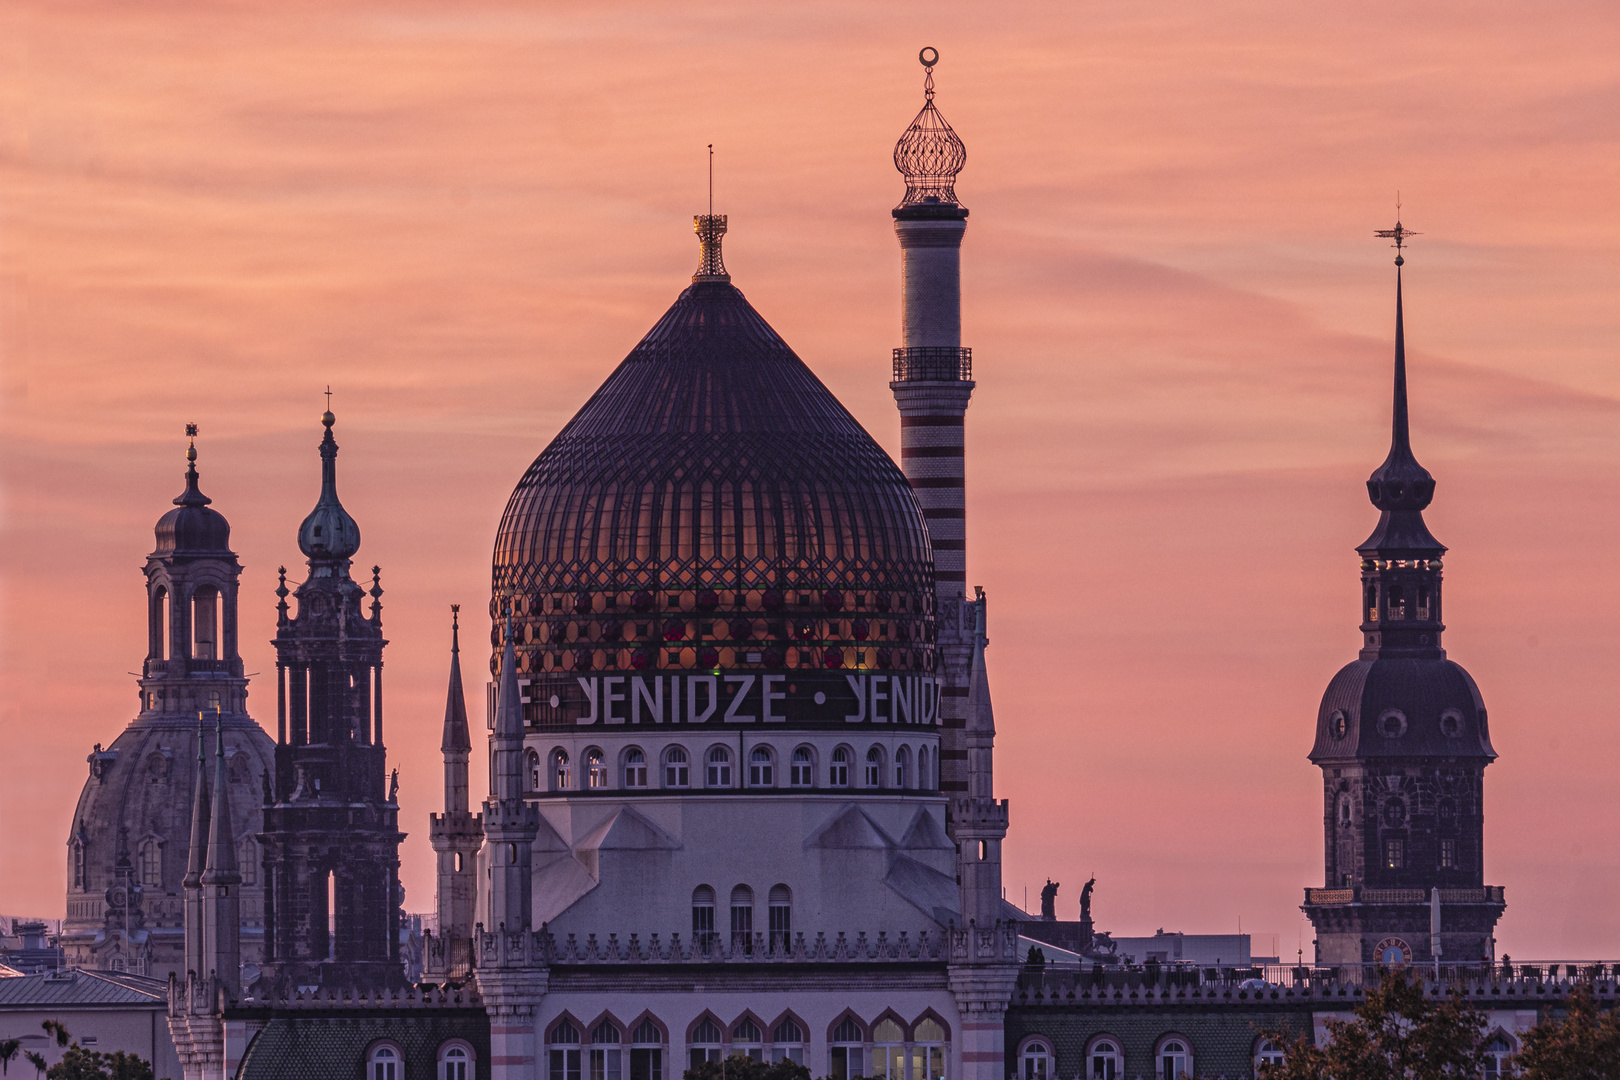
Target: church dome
x,y
1391,707
713,506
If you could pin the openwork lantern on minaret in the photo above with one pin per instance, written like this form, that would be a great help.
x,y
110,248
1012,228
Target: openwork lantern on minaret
x,y
930,154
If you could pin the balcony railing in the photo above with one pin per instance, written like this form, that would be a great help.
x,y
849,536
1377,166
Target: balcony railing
x,y
1490,894
933,363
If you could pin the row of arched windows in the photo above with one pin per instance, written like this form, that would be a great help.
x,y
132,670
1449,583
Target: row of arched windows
x,y
845,768
779,928
889,1048
1105,1058
207,620
386,1061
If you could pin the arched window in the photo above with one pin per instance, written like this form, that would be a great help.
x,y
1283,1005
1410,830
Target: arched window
x,y
562,773
787,1042
838,774
1344,811
874,767
1174,1058
781,914
703,917
747,1039
1104,1060
1498,1049
925,778
647,1052
455,1062
888,1050
1266,1052
742,918
596,777
384,1063
159,634
1035,1060
902,768
563,1043
532,759
676,774
803,773
847,1043
605,1061
719,775
928,1050
151,863
761,768
635,768
247,860
205,623
705,1042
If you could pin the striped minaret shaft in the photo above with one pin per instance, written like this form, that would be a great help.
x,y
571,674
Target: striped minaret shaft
x,y
932,384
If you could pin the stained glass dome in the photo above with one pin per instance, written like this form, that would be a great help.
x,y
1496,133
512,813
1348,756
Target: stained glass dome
x,y
711,508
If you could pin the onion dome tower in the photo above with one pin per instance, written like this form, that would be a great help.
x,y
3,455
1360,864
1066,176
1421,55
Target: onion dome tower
x,y
713,527
127,845
1402,742
331,820
933,382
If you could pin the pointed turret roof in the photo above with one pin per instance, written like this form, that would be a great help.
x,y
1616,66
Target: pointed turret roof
x,y
509,705
456,736
197,859
221,868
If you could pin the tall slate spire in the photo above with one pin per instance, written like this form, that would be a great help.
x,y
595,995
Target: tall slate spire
x,y
197,861
220,880
456,735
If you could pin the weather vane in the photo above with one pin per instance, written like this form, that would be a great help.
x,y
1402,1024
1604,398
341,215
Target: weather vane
x,y
1399,233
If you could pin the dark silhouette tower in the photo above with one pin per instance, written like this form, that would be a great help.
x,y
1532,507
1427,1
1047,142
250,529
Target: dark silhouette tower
x,y
331,829
456,834
1402,742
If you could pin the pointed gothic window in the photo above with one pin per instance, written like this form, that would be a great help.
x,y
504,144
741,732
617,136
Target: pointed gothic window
x,y
888,1051
563,1044
787,1042
847,1050
748,1040
928,1050
606,1059
647,1052
705,1042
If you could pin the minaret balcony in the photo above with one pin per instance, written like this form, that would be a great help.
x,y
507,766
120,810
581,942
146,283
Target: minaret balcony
x,y
1487,894
933,363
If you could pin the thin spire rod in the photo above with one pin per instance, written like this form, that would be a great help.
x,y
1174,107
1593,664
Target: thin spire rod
x,y
711,179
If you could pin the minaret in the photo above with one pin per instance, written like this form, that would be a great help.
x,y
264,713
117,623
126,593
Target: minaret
x,y
933,380
1402,741
221,882
510,822
196,862
979,822
331,826
456,834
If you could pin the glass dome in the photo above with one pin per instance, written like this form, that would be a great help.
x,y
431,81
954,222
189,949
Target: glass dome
x,y
712,509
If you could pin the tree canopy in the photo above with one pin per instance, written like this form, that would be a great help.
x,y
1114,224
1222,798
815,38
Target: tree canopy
x,y
739,1067
1583,1044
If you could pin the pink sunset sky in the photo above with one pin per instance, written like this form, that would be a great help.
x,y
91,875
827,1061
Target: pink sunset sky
x,y
461,216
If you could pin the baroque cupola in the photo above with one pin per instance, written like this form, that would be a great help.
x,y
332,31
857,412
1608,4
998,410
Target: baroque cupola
x,y
1402,739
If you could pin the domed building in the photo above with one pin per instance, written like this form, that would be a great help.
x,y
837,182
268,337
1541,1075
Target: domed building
x,y
127,848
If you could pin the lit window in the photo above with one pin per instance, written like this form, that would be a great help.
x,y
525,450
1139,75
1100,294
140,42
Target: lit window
x,y
838,775
384,1064
787,1042
874,767
675,770
847,1045
705,1042
635,768
748,1040
605,1056
562,774
1175,1060
1104,1061
1448,854
719,775
1394,854
888,1051
761,772
647,1052
563,1043
703,917
534,770
928,1050
781,915
454,1062
803,773
1035,1061
1267,1053
742,919
596,776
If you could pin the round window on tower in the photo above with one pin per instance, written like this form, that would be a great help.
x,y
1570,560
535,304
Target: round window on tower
x,y
1451,723
1339,724
1392,724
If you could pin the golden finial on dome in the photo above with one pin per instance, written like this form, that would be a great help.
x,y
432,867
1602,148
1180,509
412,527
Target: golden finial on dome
x,y
191,433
